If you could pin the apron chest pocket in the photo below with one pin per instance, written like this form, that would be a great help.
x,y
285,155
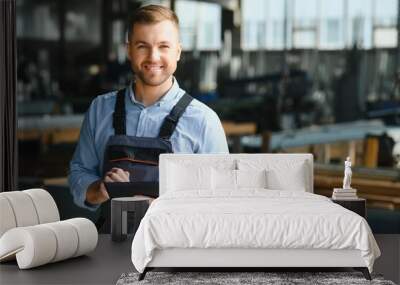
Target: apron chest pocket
x,y
140,162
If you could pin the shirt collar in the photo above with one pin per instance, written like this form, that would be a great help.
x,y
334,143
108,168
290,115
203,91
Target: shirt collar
x,y
170,95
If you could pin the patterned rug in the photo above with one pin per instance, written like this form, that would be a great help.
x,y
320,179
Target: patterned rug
x,y
230,278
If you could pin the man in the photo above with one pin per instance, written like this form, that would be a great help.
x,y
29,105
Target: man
x,y
153,113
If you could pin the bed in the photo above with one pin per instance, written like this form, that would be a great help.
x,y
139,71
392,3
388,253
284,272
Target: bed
x,y
244,211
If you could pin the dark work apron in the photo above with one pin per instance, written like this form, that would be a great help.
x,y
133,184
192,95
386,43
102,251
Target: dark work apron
x,y
137,155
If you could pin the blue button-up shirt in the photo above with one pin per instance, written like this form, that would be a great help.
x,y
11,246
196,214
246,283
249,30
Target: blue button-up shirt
x,y
199,130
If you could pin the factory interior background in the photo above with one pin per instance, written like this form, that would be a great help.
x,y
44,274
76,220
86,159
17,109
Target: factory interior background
x,y
284,76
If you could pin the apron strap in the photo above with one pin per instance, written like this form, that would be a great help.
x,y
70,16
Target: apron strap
x,y
119,122
170,121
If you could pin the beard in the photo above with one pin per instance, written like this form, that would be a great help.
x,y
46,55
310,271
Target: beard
x,y
152,79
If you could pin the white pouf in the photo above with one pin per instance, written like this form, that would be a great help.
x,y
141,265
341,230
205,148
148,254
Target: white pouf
x,y
31,231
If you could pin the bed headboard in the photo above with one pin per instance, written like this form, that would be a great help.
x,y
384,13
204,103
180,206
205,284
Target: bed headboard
x,y
289,164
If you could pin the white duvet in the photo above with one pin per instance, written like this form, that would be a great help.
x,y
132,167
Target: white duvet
x,y
250,219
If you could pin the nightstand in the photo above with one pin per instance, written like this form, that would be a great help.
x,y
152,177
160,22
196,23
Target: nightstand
x,y
357,205
120,207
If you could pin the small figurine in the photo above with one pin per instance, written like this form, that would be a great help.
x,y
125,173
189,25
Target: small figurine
x,y
347,174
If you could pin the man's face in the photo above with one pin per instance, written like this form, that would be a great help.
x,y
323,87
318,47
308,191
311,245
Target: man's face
x,y
153,51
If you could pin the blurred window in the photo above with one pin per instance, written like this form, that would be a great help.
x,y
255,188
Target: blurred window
x,y
200,25
254,17
275,24
359,23
332,24
384,23
305,24
82,21
318,24
37,20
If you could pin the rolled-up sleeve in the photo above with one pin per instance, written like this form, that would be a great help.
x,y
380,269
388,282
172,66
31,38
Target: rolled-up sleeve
x,y
213,139
85,162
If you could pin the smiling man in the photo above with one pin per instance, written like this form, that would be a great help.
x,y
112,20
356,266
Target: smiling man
x,y
124,132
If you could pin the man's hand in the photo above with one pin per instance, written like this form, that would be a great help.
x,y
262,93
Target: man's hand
x,y
116,175
97,192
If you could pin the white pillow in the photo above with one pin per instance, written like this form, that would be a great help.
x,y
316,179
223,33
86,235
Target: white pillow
x,y
226,179
193,175
251,178
183,178
223,179
281,174
295,181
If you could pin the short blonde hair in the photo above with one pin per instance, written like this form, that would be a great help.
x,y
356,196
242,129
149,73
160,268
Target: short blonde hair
x,y
151,14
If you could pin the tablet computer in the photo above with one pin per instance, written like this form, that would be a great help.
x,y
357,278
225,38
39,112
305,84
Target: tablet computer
x,y
127,189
